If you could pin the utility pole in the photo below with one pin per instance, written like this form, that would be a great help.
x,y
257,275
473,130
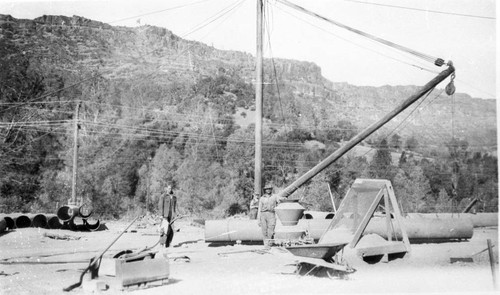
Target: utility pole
x,y
75,154
258,101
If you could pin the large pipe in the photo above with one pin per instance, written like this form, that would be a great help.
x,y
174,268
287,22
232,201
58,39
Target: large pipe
x,y
92,225
21,220
38,220
77,224
53,221
477,219
68,212
85,211
418,229
3,225
366,132
425,229
9,221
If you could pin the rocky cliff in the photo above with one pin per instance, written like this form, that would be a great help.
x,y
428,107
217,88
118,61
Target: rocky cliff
x,y
79,44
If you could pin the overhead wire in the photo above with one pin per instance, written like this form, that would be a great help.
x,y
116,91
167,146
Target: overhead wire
x,y
267,28
423,56
420,67
423,10
158,11
215,17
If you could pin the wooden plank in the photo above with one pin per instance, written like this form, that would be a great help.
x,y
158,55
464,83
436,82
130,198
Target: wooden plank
x,y
398,217
388,215
366,219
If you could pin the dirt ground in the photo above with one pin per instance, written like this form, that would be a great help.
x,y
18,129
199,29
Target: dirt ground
x,y
32,263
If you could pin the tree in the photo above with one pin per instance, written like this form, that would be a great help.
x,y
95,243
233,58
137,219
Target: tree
x,y
381,164
412,144
396,142
412,189
443,202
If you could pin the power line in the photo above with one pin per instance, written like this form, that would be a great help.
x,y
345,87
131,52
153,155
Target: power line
x,y
158,11
358,45
423,10
215,17
431,59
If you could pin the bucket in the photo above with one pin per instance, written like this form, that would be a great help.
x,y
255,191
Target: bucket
x,y
289,212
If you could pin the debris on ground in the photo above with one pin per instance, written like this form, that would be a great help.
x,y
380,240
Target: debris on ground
x,y
60,236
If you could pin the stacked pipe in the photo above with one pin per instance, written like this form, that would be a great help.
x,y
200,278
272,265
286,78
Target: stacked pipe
x,y
24,220
78,218
68,217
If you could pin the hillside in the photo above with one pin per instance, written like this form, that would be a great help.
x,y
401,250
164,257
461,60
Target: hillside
x,y
147,109
75,43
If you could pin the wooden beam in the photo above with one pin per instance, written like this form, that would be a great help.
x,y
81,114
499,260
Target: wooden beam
x,y
366,219
397,216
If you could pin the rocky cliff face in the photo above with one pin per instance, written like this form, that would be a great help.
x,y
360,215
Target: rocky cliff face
x,y
76,43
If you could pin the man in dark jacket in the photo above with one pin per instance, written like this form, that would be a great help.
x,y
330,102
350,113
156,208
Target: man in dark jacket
x,y
168,211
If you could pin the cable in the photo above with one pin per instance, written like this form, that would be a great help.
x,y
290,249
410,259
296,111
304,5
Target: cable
x,y
424,10
158,11
274,66
431,59
215,17
358,45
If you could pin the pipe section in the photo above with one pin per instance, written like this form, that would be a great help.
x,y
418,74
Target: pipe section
x,y
477,219
21,220
418,229
53,221
9,221
93,225
85,210
38,220
77,224
3,225
67,212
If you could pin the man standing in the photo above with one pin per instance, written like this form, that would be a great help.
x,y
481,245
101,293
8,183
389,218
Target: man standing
x,y
267,221
168,211
254,206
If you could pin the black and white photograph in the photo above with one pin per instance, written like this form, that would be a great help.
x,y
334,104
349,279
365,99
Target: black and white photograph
x,y
248,147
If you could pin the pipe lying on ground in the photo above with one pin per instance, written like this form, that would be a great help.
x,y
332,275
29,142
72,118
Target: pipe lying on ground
x,y
53,221
67,212
38,220
93,225
77,224
9,221
21,220
3,225
477,219
418,229
85,211
421,230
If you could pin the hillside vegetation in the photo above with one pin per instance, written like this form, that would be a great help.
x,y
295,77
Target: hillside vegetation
x,y
157,109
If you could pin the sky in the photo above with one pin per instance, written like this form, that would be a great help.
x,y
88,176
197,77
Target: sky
x,y
463,31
